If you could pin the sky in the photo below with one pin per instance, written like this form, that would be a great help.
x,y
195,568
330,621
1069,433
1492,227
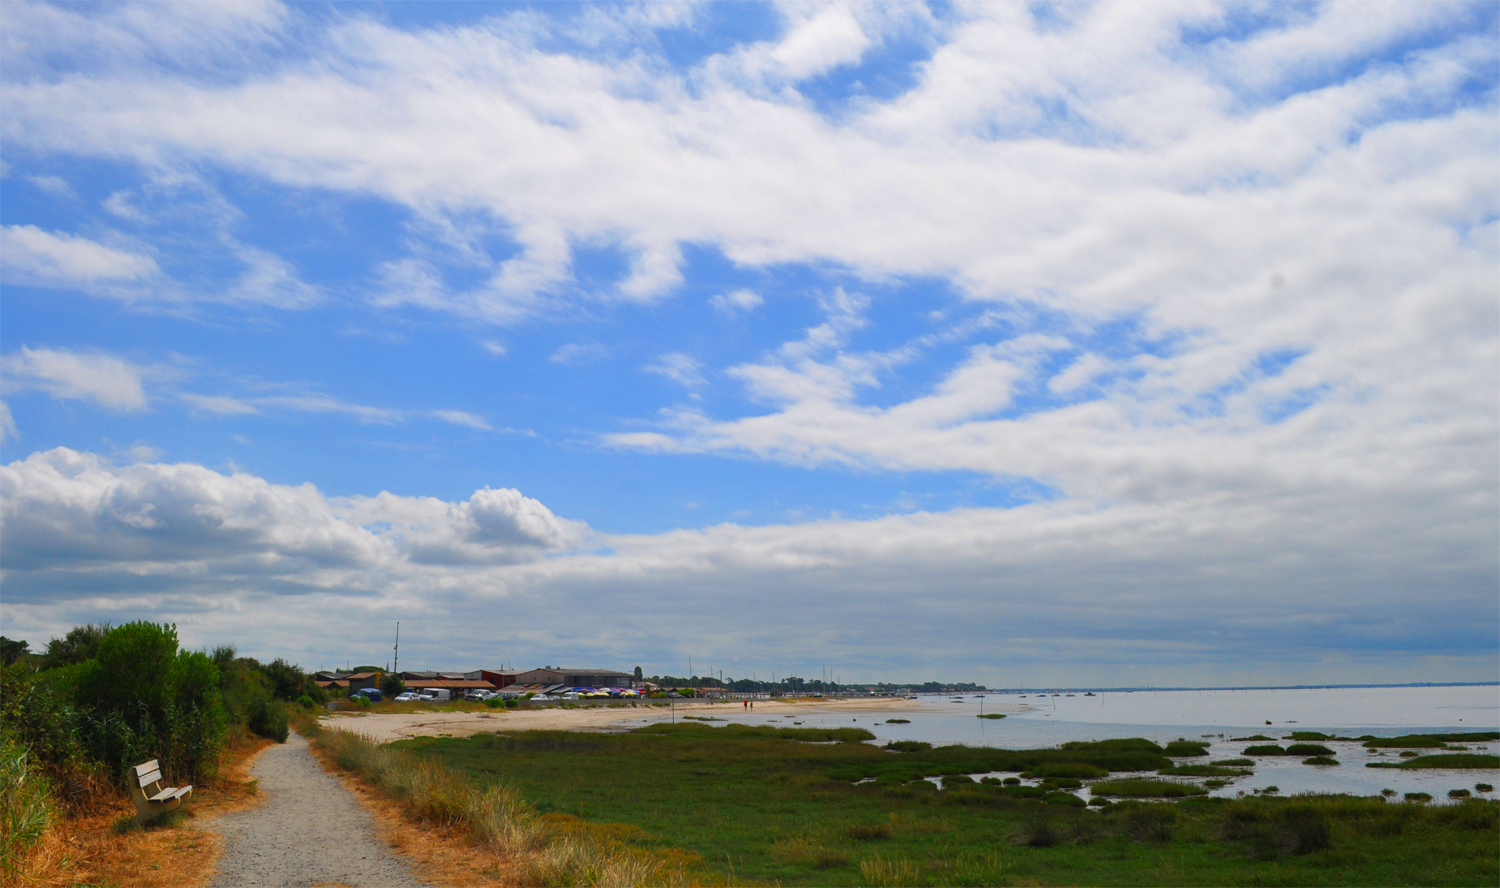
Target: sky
x,y
1025,344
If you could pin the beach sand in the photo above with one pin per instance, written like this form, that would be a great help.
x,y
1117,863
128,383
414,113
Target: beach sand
x,y
385,727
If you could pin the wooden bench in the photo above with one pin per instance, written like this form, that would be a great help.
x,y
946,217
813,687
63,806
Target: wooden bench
x,y
151,798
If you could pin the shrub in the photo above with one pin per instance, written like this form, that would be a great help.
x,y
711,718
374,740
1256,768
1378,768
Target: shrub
x,y
392,685
1066,799
1484,787
1418,797
270,721
306,702
1011,781
1458,793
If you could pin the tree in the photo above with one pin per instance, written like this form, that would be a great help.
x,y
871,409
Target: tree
x,y
12,650
80,644
639,676
392,685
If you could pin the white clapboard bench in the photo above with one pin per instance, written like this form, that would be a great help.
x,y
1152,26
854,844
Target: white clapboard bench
x,y
151,798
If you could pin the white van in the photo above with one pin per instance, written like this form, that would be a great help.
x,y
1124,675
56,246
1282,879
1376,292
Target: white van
x,y
435,695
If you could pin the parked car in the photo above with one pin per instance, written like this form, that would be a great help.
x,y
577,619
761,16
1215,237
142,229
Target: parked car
x,y
372,694
478,695
406,697
435,695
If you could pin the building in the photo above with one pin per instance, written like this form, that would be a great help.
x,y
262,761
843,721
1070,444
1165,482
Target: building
x,y
573,678
348,681
500,678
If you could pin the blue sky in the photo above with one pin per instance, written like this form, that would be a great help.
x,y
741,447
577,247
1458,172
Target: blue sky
x,y
925,339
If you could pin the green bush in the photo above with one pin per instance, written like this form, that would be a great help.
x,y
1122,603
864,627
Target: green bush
x,y
306,702
1320,760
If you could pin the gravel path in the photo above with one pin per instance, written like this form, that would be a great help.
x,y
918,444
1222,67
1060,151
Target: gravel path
x,y
310,831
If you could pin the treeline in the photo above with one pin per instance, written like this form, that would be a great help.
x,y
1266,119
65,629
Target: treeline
x,y
102,698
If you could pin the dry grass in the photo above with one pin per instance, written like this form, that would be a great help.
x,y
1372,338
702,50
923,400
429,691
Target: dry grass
x,y
92,848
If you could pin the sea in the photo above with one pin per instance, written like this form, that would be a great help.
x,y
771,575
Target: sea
x,y
1218,717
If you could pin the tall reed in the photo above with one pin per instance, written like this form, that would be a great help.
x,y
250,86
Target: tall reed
x,y
26,806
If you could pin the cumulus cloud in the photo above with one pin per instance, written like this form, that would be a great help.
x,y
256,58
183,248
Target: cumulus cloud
x,y
7,424
57,259
111,382
177,521
1128,588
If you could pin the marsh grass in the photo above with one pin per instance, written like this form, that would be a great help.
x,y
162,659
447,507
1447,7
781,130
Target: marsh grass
x,y
1429,741
1185,749
992,715
1234,763
1468,761
1146,788
1203,771
1270,749
1320,760
1308,749
778,810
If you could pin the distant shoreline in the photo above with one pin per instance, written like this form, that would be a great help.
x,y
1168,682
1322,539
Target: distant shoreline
x,y
1323,687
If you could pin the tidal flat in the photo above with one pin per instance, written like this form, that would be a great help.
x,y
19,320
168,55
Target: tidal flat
x,y
744,804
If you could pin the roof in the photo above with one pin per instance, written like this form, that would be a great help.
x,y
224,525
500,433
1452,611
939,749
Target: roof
x,y
455,683
363,675
578,671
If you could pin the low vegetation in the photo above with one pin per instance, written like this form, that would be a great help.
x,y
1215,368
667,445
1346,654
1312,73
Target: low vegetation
x,y
762,808
1468,761
1320,760
1203,771
1429,741
1270,749
1145,788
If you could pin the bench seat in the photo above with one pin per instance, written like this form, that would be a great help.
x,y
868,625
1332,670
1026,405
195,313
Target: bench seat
x,y
151,798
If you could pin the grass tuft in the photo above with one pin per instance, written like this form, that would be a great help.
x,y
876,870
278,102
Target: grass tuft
x,y
1144,788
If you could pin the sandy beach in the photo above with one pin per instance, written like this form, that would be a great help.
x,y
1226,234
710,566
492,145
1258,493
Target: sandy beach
x,y
385,727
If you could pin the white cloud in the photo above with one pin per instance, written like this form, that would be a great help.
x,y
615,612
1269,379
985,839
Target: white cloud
x,y
736,301
1125,586
681,369
497,349
579,353
1081,372
459,417
55,186
8,428
57,259
113,383
220,405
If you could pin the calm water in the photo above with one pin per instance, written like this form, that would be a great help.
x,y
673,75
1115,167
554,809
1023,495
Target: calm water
x,y
1214,716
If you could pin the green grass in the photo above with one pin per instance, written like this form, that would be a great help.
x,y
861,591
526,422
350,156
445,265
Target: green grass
x,y
1308,749
1234,763
1266,750
1429,741
1320,760
756,808
1145,788
992,715
1185,748
1203,771
1468,761
1254,737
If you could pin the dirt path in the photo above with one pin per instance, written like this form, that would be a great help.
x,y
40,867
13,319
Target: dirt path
x,y
310,831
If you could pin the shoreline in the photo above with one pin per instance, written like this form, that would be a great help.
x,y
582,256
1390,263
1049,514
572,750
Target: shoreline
x,y
384,727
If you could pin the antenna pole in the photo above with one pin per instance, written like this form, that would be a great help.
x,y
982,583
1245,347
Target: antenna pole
x,y
398,647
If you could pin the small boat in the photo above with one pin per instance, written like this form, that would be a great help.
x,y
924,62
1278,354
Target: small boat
x,y
1091,694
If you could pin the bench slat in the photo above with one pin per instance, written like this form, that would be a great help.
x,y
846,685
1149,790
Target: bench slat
x,y
149,779
170,793
148,766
